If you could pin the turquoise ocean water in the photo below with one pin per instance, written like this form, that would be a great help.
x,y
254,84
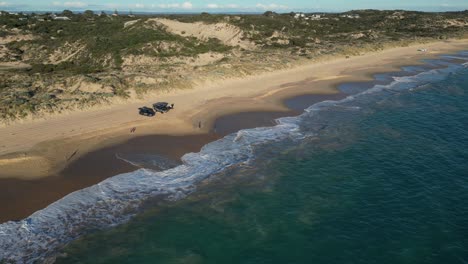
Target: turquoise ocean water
x,y
383,178
378,177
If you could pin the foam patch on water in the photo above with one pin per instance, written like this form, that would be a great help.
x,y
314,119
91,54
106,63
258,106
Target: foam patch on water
x,y
117,199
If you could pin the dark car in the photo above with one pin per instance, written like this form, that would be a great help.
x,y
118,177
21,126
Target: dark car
x,y
146,111
163,107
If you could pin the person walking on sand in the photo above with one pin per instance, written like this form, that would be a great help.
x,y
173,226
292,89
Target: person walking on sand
x,y
133,130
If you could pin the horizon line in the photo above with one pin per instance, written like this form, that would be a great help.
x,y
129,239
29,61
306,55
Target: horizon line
x,y
198,11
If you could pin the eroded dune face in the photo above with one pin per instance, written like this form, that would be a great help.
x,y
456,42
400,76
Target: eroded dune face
x,y
228,34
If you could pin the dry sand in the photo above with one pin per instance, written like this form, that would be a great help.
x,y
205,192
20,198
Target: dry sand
x,y
42,147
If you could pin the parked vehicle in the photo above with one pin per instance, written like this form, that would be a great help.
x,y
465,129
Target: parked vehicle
x,y
162,107
146,111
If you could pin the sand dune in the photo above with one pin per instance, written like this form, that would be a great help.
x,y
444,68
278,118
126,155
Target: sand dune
x,y
228,34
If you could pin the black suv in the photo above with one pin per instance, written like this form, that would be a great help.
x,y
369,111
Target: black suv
x,y
146,111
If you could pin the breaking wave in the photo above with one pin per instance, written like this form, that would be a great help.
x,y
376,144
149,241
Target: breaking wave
x,y
117,199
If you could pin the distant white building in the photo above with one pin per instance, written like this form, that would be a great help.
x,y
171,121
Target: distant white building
x,y
309,17
350,16
299,15
315,17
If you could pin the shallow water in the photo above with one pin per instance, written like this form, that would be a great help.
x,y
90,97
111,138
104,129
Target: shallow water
x,y
380,179
375,176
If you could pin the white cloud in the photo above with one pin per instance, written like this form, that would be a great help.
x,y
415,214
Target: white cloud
x,y
139,6
271,6
166,5
110,6
70,4
4,4
216,6
187,5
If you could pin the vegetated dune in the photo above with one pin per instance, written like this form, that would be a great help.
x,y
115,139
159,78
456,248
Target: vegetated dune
x,y
456,23
55,67
130,62
228,34
15,35
66,52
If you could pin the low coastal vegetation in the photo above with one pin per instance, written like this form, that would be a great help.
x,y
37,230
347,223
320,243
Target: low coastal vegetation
x,y
58,62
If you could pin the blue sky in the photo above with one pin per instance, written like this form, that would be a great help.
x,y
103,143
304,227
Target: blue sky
x,y
233,5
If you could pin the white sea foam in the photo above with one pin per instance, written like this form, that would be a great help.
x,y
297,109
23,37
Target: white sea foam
x,y
136,164
148,161
116,199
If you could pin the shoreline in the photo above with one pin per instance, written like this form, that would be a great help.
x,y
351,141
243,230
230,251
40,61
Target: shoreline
x,y
273,100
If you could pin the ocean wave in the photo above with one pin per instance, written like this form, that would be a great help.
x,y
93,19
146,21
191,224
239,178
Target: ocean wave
x,y
117,199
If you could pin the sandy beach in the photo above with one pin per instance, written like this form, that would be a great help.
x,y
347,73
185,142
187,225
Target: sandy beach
x,y
42,160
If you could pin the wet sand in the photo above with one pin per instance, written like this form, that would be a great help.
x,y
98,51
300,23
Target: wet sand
x,y
21,198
